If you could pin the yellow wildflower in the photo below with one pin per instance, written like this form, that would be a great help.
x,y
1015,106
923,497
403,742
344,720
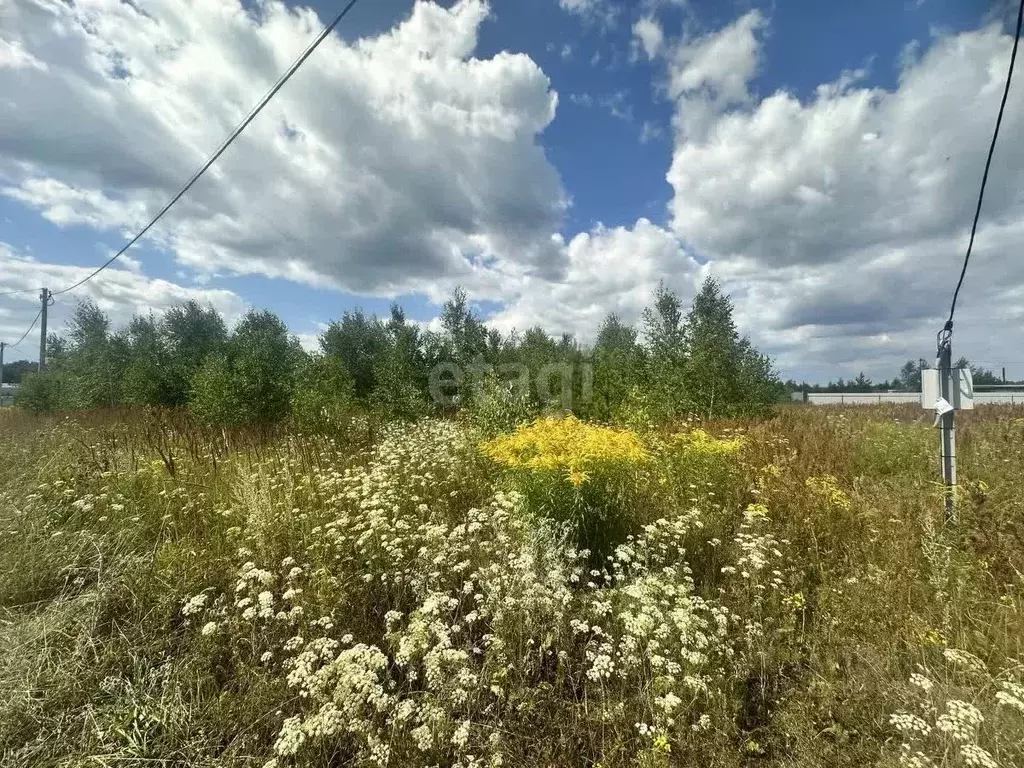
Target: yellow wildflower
x,y
699,442
566,446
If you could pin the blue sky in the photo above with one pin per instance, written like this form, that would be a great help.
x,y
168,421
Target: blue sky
x,y
619,180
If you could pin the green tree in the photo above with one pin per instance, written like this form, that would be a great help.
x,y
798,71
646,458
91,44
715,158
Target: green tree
x,y
713,369
324,394
360,343
400,378
536,351
861,384
252,383
979,374
759,381
463,344
396,395
666,345
464,333
214,398
148,376
725,374
664,331
909,379
94,363
263,360
15,371
191,334
618,366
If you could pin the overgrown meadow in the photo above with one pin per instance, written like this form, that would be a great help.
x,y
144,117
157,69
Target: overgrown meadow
x,y
561,593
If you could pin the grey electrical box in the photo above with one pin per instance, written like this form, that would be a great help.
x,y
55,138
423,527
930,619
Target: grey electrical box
x,y
962,389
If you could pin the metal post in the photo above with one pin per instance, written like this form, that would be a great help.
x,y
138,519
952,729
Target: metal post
x,y
948,443
44,296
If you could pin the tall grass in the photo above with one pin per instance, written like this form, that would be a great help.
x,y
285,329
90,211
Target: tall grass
x,y
785,593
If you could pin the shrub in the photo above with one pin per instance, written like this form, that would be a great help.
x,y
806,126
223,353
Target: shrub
x,y
395,396
498,406
252,383
215,399
576,473
323,396
41,393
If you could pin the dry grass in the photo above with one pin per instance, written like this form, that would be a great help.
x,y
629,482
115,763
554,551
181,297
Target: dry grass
x,y
110,523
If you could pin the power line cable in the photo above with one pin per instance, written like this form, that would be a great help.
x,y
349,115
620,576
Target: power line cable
x,y
20,290
988,163
26,333
224,145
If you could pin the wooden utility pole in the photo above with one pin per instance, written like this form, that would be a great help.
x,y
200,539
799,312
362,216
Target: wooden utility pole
x,y
44,296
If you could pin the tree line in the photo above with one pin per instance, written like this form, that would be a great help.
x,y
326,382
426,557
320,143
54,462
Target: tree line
x,y
677,362
907,380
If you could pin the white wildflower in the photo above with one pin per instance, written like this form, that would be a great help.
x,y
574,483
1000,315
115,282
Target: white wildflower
x,y
1011,695
461,736
921,682
195,604
909,723
974,755
960,721
964,659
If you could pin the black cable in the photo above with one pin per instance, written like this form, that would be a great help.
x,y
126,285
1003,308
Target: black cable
x,y
224,145
26,333
988,163
20,290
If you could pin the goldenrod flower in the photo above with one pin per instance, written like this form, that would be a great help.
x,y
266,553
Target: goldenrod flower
x,y
567,446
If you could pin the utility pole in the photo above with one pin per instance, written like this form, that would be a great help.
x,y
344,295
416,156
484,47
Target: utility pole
x,y
2,345
948,444
1004,374
44,296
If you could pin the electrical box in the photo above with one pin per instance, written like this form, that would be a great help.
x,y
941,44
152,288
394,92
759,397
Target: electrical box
x,y
962,390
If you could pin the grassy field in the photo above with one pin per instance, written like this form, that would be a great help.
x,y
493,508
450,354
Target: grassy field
x,y
775,593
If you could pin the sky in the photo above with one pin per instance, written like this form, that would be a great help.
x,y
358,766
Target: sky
x,y
557,159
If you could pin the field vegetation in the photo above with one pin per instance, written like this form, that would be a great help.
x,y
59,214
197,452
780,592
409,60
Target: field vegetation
x,y
777,592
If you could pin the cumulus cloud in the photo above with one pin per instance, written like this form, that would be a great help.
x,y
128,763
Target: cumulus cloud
x,y
839,221
610,270
385,164
122,293
709,74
